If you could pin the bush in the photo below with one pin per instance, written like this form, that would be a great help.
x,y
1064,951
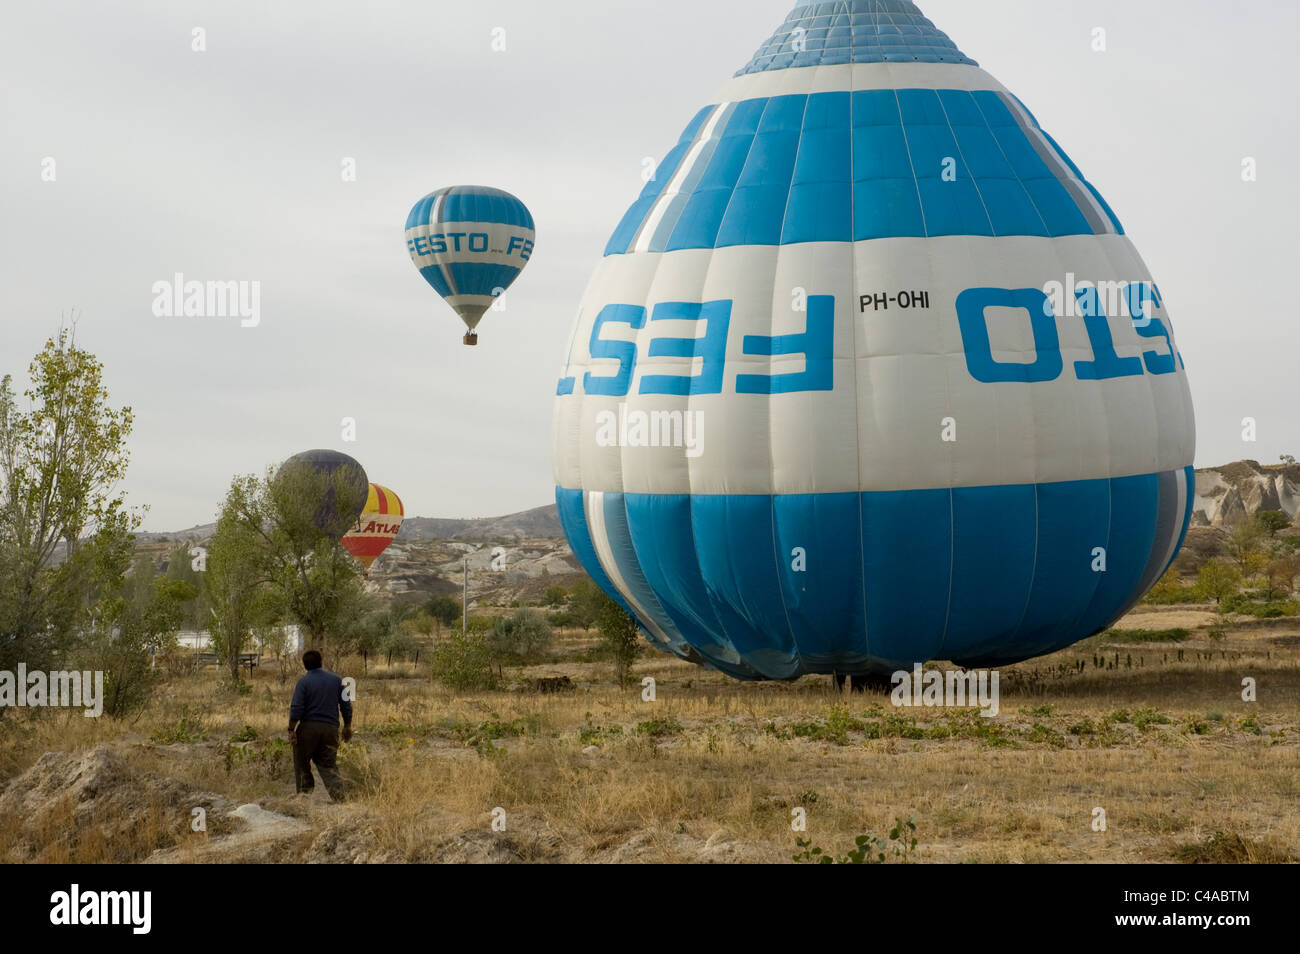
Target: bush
x,y
464,663
524,636
619,637
1270,609
1170,590
1218,580
443,609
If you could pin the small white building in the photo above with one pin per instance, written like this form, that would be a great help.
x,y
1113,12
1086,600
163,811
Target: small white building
x,y
200,640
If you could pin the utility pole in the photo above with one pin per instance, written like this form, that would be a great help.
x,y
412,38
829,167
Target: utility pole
x,y
464,601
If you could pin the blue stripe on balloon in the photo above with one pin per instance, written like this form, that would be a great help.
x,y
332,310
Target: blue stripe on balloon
x,y
629,568
982,575
661,529
1189,476
733,543
479,206
480,278
993,532
1134,503
1086,184
571,507
756,211
573,519
713,181
419,214
907,546
433,274
1069,514
471,204
627,228
819,554
820,206
834,167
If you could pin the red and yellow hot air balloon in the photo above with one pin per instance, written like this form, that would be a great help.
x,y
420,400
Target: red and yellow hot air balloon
x,y
377,526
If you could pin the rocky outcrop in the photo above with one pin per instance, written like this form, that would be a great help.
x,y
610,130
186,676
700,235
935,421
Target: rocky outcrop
x,y
1228,495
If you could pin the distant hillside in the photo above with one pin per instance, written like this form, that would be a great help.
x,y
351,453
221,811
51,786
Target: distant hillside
x,y
196,534
1228,495
511,558
539,523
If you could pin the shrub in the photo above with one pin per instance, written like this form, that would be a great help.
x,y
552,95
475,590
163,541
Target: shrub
x,y
464,663
618,637
1171,589
870,849
1175,635
524,636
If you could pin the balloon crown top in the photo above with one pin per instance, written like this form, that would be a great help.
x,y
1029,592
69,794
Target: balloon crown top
x,y
470,203
830,32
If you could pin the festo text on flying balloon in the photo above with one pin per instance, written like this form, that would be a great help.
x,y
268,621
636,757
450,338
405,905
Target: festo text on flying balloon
x,y
442,242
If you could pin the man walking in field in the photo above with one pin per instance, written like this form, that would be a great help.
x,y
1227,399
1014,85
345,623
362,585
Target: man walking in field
x,y
314,726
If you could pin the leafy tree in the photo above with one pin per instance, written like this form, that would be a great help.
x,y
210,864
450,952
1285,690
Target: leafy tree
x,y
240,576
399,642
444,609
1283,571
525,636
464,663
134,616
562,620
618,636
585,603
1170,589
180,567
322,585
555,595
61,459
1271,521
283,543
1218,580
1245,544
366,628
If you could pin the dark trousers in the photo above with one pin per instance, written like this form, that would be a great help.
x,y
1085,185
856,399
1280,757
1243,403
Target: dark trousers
x,y
319,743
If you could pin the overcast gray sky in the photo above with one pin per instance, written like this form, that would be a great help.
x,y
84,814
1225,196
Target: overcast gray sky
x,y
226,165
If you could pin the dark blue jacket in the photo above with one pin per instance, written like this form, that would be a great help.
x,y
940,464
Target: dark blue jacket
x,y
318,697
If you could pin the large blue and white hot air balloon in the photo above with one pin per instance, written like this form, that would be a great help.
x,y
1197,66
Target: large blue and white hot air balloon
x,y
870,374
470,243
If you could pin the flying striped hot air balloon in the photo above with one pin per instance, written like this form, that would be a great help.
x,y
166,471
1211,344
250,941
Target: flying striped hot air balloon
x,y
376,527
470,243
870,374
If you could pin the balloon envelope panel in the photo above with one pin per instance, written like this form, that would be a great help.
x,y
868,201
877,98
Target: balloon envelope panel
x,y
470,243
870,374
377,526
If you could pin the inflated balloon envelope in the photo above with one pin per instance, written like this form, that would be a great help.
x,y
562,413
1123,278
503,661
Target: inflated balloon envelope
x,y
328,485
470,243
376,527
870,374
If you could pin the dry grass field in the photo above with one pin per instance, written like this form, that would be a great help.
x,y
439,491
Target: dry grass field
x,y
1151,730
